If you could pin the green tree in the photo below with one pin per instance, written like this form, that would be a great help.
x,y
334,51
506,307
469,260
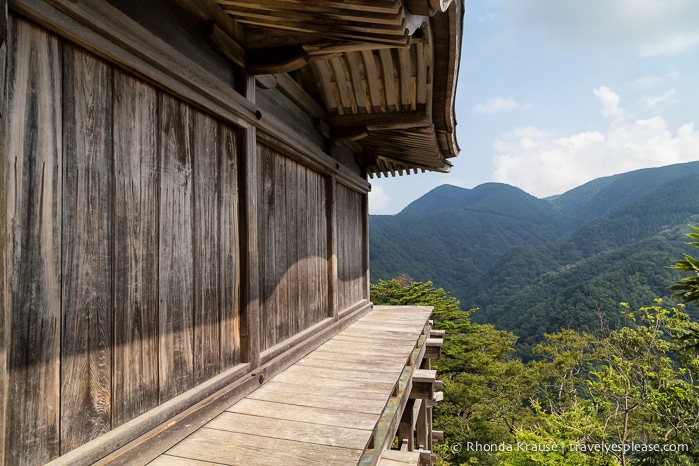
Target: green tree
x,y
688,287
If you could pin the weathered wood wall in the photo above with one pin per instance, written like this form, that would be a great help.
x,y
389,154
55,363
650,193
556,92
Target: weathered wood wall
x,y
352,267
293,238
123,246
126,224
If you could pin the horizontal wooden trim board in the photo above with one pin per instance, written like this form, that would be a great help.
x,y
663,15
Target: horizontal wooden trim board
x,y
339,405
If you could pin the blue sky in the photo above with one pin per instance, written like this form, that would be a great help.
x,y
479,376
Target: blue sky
x,y
552,94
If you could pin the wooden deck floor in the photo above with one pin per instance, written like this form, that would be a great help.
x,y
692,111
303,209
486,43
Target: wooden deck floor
x,y
322,410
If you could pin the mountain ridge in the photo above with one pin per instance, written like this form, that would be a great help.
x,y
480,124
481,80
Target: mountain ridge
x,y
466,241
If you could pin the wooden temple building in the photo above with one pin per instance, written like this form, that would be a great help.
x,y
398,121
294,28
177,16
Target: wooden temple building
x,y
184,253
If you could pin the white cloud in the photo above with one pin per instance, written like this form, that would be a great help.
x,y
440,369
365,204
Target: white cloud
x,y
655,100
650,27
655,81
378,200
544,163
610,101
499,104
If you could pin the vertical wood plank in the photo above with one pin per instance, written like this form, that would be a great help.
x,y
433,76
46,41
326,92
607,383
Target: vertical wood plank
x,y
281,234
136,201
321,238
268,305
176,281
323,251
86,353
302,248
333,309
206,252
34,243
293,195
5,316
230,252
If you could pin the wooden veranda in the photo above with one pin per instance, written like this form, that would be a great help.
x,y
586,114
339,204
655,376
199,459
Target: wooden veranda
x,y
342,404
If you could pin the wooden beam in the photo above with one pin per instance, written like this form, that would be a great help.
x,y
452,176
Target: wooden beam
x,y
209,12
226,45
389,81
389,7
275,60
358,126
325,48
328,30
381,121
325,10
372,80
423,384
434,348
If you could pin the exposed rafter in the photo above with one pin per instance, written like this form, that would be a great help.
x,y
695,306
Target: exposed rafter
x,y
384,71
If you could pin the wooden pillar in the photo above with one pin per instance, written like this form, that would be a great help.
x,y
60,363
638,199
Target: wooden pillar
x,y
5,318
406,428
249,176
365,239
423,433
333,305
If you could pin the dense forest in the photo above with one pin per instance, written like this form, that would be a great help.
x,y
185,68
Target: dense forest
x,y
621,397
536,266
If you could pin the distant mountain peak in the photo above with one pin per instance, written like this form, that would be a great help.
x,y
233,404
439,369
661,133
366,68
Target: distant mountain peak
x,y
498,197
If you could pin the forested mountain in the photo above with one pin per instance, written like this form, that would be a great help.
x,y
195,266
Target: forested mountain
x,y
538,265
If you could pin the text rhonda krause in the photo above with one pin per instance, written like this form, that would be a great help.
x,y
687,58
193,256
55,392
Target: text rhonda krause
x,y
609,448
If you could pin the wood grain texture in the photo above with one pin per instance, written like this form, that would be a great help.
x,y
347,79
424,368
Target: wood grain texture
x,y
5,315
304,414
253,293
206,154
302,249
34,185
294,247
296,430
372,79
293,316
136,203
87,305
292,412
268,305
350,248
279,322
388,79
229,259
176,277
234,448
